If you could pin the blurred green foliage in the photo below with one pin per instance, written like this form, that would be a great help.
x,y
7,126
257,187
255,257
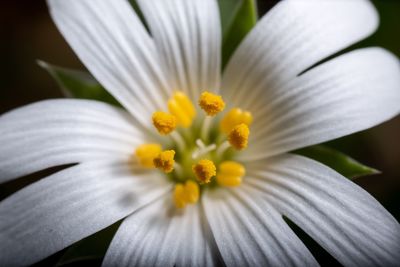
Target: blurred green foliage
x,y
337,160
90,248
388,33
238,17
78,84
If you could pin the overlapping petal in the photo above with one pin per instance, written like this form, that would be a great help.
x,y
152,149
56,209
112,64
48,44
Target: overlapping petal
x,y
342,96
188,36
114,45
56,132
161,235
65,207
292,37
250,234
343,218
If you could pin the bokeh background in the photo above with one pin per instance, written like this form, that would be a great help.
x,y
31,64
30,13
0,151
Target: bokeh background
x,y
27,34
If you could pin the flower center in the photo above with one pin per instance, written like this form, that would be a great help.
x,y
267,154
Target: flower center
x,y
200,150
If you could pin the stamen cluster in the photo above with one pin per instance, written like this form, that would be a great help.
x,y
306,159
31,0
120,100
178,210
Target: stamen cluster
x,y
204,150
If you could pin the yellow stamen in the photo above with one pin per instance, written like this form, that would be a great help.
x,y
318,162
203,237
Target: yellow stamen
x,y
230,173
187,193
239,136
146,154
179,196
235,117
165,161
211,103
164,122
204,170
182,108
192,191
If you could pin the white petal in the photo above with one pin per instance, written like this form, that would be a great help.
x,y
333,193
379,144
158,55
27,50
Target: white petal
x,y
188,35
343,218
348,94
113,44
61,209
249,234
56,132
161,235
292,37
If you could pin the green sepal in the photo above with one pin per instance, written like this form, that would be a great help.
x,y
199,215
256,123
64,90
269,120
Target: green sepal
x,y
337,160
78,84
238,17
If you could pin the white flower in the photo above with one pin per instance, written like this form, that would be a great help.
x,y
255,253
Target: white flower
x,y
242,225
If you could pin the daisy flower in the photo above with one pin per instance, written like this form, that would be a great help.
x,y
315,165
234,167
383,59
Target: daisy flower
x,y
198,163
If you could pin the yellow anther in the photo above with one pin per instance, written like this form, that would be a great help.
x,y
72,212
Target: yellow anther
x,y
146,154
211,103
230,173
179,196
235,117
165,161
204,170
192,191
187,193
164,122
239,136
182,108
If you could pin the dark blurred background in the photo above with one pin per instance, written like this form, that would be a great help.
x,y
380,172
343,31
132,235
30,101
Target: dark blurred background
x,y
28,34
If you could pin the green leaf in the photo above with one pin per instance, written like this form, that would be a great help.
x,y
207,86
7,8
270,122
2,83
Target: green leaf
x,y
92,247
338,161
78,84
238,17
